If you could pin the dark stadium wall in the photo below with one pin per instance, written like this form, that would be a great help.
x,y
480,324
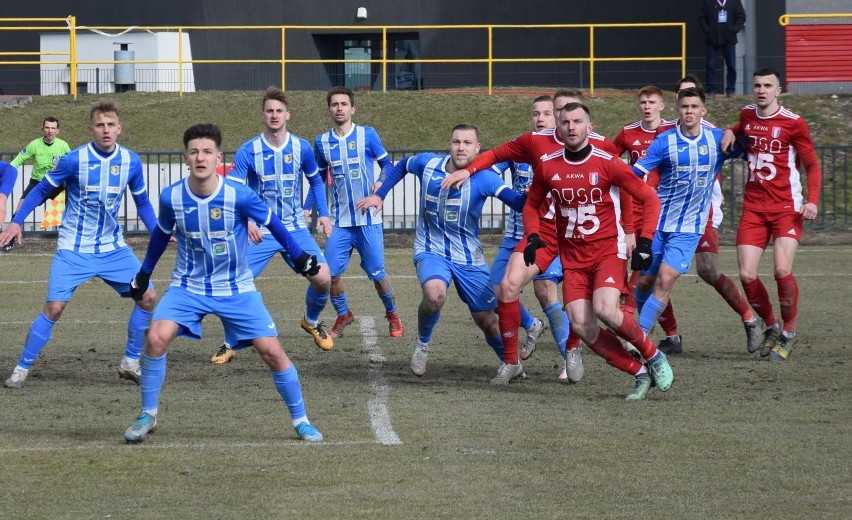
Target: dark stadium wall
x,y
439,44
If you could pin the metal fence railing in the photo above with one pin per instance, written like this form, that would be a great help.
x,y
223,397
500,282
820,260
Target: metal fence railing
x,y
401,205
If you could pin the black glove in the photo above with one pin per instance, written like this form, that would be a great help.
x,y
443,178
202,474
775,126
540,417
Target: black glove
x,y
743,142
307,265
642,256
139,285
533,243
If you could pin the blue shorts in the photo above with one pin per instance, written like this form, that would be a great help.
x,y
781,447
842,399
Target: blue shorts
x,y
501,260
243,316
260,254
70,269
369,241
472,281
674,249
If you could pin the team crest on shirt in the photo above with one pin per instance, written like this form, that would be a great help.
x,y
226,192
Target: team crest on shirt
x,y
288,158
55,159
593,178
215,213
776,132
114,169
702,150
351,145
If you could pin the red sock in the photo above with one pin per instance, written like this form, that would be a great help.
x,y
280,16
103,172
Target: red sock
x,y
608,347
630,298
633,333
509,318
727,289
758,298
573,341
668,321
788,299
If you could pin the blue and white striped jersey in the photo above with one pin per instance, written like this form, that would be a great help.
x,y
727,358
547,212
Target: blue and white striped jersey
x,y
275,174
212,236
94,186
448,223
522,175
350,159
688,166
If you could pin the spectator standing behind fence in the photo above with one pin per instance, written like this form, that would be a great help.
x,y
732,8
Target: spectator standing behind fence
x,y
720,21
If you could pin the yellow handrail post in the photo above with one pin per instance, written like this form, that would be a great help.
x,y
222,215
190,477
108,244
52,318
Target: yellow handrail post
x,y
384,59
283,57
490,58
591,60
683,50
180,61
72,43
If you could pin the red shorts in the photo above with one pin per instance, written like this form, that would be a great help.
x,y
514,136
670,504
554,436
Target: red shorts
x,y
709,242
580,282
755,229
544,256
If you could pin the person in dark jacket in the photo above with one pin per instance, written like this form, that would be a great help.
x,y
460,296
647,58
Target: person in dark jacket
x,y
721,20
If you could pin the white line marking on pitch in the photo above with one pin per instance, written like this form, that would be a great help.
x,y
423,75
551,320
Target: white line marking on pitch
x,y
152,445
378,405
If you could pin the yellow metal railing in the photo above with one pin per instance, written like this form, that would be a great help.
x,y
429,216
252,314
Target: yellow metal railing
x,y
489,59
785,19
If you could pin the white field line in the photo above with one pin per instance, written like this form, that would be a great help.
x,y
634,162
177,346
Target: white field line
x,y
152,444
378,405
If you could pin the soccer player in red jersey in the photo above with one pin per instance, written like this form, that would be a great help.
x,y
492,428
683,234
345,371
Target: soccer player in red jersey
x,y
774,205
531,148
585,185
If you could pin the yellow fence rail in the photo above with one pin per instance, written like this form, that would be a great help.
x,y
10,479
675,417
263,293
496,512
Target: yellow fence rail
x,y
785,19
69,24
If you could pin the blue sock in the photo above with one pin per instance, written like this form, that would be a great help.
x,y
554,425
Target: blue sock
x,y
642,297
151,381
559,326
387,300
527,319
496,343
37,338
314,303
425,325
289,388
340,304
136,327
650,312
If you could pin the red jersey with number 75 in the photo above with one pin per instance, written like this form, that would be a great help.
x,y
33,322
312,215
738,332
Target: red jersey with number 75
x,y
776,145
586,197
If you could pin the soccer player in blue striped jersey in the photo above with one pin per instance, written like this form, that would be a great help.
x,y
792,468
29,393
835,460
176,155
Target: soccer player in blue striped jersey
x,y
209,216
446,244
349,153
689,158
91,242
544,284
273,164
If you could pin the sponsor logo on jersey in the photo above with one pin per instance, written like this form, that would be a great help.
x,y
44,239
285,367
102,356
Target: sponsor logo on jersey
x,y
267,178
702,150
188,211
93,202
556,177
431,198
701,183
215,213
113,189
452,216
454,202
609,280
682,149
288,158
355,173
94,166
333,146
267,157
114,170
93,188
220,248
792,232
705,244
218,234
194,234
288,177
354,160
288,192
637,143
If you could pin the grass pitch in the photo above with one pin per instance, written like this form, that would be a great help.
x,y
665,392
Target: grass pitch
x,y
735,437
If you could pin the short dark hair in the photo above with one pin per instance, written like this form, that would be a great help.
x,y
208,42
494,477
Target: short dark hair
x,y
50,119
540,99
203,131
103,107
275,93
570,107
340,90
689,78
466,126
692,92
767,71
